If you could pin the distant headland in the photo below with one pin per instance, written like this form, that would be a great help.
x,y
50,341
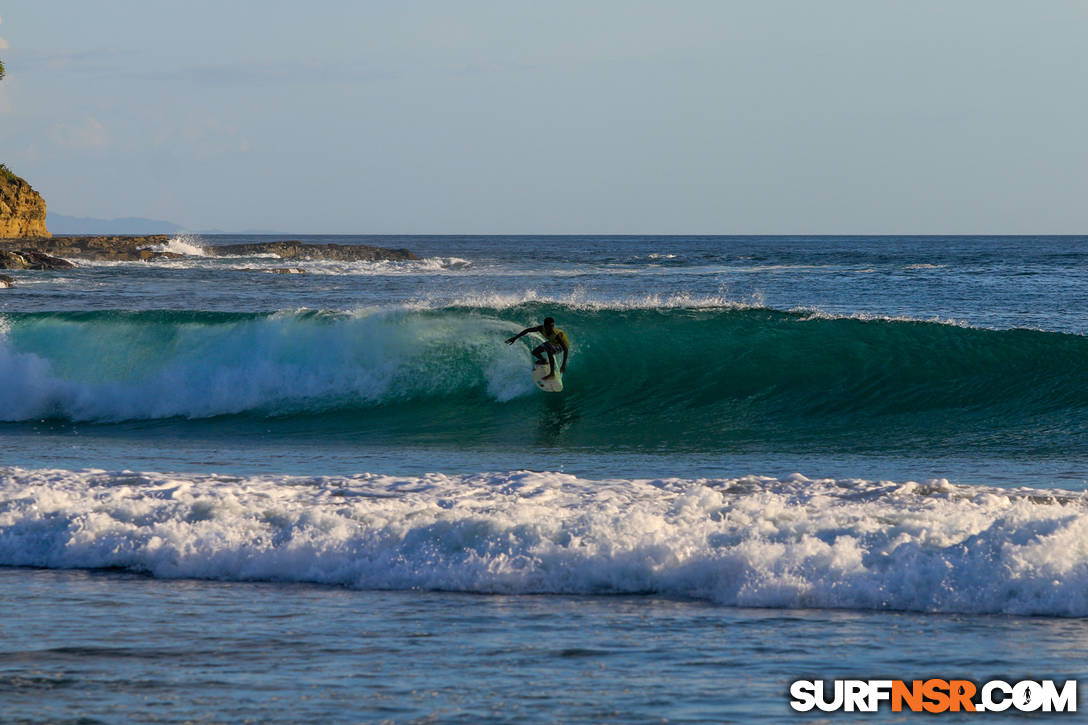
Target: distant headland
x,y
26,243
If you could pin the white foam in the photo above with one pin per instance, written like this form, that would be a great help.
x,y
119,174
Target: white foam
x,y
291,361
428,265
815,313
580,299
196,258
752,541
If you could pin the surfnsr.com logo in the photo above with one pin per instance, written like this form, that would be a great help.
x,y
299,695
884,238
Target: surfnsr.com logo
x,y
933,695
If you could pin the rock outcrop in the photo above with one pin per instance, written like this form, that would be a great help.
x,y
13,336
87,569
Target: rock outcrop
x,y
294,249
116,249
29,259
22,210
6,281
136,249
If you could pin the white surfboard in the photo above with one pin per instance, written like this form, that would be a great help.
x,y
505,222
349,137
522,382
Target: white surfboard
x,y
555,385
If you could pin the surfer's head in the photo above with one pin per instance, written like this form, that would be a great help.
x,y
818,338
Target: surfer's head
x,y
549,322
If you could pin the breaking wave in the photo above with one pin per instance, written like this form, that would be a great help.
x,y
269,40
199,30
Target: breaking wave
x,y
653,376
752,541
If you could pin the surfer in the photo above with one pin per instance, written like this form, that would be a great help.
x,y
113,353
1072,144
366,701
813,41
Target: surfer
x,y
554,341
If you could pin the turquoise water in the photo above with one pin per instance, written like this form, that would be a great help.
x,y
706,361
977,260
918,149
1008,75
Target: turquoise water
x,y
805,441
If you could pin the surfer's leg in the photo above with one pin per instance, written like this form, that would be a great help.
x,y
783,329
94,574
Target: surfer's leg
x,y
538,353
551,362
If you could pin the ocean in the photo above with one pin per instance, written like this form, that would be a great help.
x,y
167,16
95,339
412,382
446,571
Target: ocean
x,y
230,495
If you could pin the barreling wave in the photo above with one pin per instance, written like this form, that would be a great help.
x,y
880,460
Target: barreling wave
x,y
753,541
640,376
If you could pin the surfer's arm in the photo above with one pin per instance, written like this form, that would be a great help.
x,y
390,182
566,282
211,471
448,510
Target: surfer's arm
x,y
526,331
563,367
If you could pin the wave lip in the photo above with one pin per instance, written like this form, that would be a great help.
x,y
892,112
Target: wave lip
x,y
751,541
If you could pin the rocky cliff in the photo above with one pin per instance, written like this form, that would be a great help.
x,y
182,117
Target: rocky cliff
x,y
22,210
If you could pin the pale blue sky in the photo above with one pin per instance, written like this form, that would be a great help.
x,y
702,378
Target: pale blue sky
x,y
763,116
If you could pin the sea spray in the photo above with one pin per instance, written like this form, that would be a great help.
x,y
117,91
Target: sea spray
x,y
186,244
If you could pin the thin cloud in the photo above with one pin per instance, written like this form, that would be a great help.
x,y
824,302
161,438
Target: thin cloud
x,y
270,73
107,61
86,134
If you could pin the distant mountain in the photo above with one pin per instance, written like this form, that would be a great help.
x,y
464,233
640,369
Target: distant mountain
x,y
61,224
245,232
